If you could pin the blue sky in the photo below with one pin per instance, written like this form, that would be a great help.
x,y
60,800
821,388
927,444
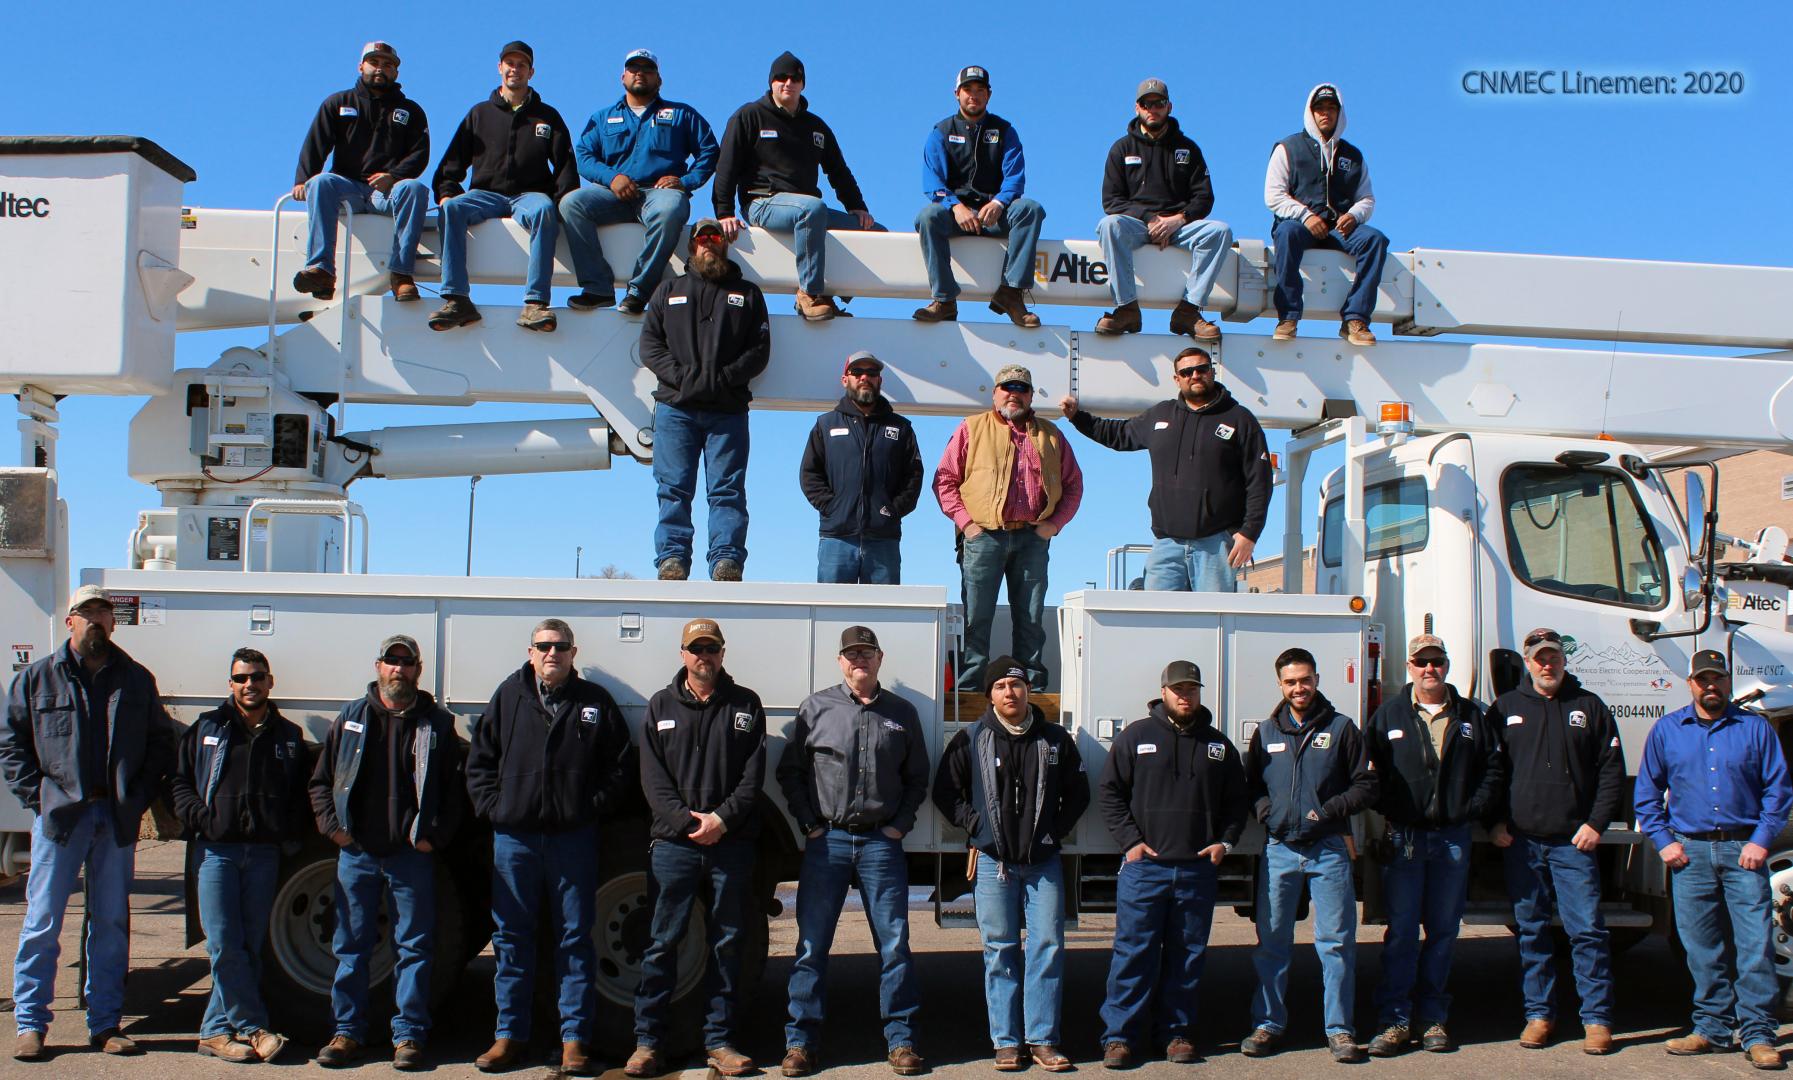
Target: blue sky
x,y
230,88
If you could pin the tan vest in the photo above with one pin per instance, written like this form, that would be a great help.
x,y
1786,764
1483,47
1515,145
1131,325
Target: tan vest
x,y
990,465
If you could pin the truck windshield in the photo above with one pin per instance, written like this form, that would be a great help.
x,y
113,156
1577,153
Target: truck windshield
x,y
1581,532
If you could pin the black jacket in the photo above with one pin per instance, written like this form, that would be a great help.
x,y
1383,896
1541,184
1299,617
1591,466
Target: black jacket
x,y
767,151
510,152
1210,466
1424,788
234,786
862,471
1147,178
390,780
1177,790
706,340
1307,779
855,765
1016,796
708,757
1568,769
367,133
549,772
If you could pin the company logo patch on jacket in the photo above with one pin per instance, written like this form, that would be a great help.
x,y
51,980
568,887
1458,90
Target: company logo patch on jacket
x,y
663,114
588,715
1322,740
1468,730
743,721
542,131
288,750
401,116
1224,431
819,139
1343,165
1577,718
992,137
1052,755
891,433
736,299
1182,157
893,725
1216,751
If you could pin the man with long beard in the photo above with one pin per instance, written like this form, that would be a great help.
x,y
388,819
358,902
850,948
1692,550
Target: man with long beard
x,y
706,336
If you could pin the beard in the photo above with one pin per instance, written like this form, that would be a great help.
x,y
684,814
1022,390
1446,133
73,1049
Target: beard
x,y
709,265
94,641
1194,398
398,692
1154,129
863,395
1014,414
1549,684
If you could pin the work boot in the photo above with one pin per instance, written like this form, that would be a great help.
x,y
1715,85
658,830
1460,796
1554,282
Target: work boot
x,y
1050,1058
1436,1040
1122,320
1009,301
590,301
674,570
1596,1039
455,311
904,1061
339,1053
1393,1039
798,1061
1344,1049
1180,1051
227,1048
1117,1055
1765,1056
1186,318
633,303
265,1043
29,1047
819,308
728,1061
725,570
1008,1059
407,1056
1285,331
1689,1045
938,311
403,286
1536,1035
114,1041
574,1061
1357,332
1261,1043
645,1061
537,316
316,281
503,1054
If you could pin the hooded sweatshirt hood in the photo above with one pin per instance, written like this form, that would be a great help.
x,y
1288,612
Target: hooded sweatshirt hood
x,y
1307,118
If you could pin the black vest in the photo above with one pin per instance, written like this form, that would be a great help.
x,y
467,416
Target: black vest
x,y
1315,186
973,157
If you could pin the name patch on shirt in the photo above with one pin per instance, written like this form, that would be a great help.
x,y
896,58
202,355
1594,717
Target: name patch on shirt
x,y
1133,159
674,300
614,120
348,110
1225,431
955,138
401,116
743,721
588,716
542,131
1322,740
354,726
736,299
211,740
1396,733
1275,747
768,133
666,725
1511,720
1161,425
1216,751
839,431
1577,718
1146,748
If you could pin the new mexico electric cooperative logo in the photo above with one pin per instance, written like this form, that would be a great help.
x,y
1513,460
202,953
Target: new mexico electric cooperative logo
x,y
23,206
1076,269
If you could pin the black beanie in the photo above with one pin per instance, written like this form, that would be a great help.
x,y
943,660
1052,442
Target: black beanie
x,y
786,64
1003,667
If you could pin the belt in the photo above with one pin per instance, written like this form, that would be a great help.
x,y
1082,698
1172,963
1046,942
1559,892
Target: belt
x,y
856,830
1017,526
1731,835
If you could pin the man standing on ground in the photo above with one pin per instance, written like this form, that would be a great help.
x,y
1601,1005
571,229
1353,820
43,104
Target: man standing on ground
x,y
646,155
862,471
706,337
1173,797
1211,477
85,748
973,173
854,774
1721,772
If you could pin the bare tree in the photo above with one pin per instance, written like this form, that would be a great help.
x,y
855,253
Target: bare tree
x,y
612,572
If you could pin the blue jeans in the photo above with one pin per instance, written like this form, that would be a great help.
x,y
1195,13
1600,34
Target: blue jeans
x,y
1366,246
109,869
1011,897
1206,241
662,211
564,865
532,210
1020,222
869,560
406,204
1162,913
1325,867
993,556
681,437
677,873
1426,884
1191,565
407,881
1722,913
1546,877
236,896
808,220
874,862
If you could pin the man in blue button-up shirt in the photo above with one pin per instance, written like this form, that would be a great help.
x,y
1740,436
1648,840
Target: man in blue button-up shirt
x,y
1730,800
646,155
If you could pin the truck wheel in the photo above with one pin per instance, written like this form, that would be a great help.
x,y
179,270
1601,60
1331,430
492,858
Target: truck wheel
x,y
1780,899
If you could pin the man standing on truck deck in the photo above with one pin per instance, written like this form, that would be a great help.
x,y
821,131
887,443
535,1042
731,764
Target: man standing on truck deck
x,y
703,760
1211,477
706,337
1173,797
862,471
377,141
240,787
1317,186
1567,777
1156,190
644,155
1441,772
1010,482
1308,772
551,756
973,173
854,774
388,790
521,154
1722,774
771,152
86,747
1015,783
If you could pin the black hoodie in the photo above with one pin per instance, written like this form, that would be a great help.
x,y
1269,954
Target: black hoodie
x,y
706,340
234,785
1210,466
767,151
1568,769
861,470
1307,779
367,133
1177,790
1147,178
1424,788
703,756
1016,796
511,151
546,771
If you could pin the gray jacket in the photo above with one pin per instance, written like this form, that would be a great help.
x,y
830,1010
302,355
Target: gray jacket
x,y
41,743
855,766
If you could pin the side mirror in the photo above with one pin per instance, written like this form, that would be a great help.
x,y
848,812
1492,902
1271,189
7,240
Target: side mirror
x,y
1693,587
1505,670
1695,508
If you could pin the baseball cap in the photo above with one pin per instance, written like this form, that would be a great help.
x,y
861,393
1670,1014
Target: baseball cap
x,y
1151,86
1014,373
863,356
646,56
1326,92
1181,671
706,227
406,640
1421,642
518,47
379,48
972,73
1708,660
700,630
1541,639
1003,667
87,594
857,637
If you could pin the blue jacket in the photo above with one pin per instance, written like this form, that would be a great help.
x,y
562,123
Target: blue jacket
x,y
49,720
862,472
950,171
1730,775
644,148
234,787
434,760
1307,779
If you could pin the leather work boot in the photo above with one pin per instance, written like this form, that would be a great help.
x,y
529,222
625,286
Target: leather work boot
x,y
1536,1035
1050,1058
114,1041
266,1044
1261,1043
1009,301
798,1061
938,311
1357,332
1186,318
339,1053
632,303
455,311
574,1061
725,570
904,1061
1596,1040
316,281
728,1061
503,1054
1392,1040
1008,1059
1122,320
1117,1055
674,570
29,1047
1344,1049
1764,1056
1285,331
645,1061
590,301
404,287
1180,1051
1436,1040
819,308
1691,1044
407,1057
537,316
227,1048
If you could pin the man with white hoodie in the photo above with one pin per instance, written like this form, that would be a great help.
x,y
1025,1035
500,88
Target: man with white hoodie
x,y
1318,186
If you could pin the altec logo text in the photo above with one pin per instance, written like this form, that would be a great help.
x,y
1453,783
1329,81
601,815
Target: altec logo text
x,y
22,206
1077,269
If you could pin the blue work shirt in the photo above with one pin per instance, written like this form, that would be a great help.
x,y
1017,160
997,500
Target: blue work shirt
x,y
659,142
1729,774
936,169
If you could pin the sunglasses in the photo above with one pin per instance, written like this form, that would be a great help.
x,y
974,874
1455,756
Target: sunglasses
x,y
860,654
1154,103
1194,370
1015,387
242,677
1544,635
551,646
1428,661
398,660
867,373
703,649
